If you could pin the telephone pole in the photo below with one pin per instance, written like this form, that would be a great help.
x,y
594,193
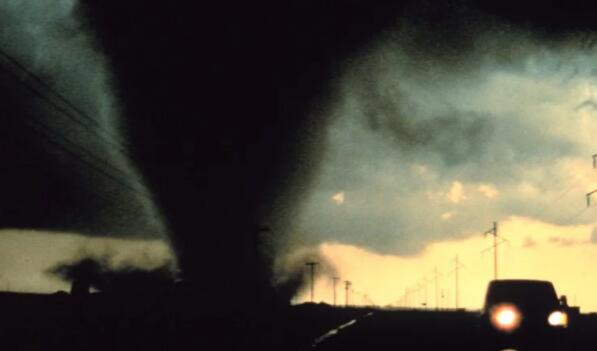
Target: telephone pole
x,y
457,266
592,192
334,281
312,269
589,197
436,276
425,285
494,231
347,285
425,292
419,289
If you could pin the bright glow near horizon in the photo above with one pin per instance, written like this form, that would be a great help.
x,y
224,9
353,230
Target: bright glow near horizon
x,y
564,255
433,151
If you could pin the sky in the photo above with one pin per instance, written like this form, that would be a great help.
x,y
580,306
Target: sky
x,y
435,132
51,63
564,255
430,144
27,257
67,177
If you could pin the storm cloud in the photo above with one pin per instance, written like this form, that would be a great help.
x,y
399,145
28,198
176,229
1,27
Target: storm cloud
x,y
441,129
67,164
292,275
67,160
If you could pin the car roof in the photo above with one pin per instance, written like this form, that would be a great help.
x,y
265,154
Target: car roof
x,y
508,281
523,292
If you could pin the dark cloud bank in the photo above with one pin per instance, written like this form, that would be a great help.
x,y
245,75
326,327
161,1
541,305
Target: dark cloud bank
x,y
432,93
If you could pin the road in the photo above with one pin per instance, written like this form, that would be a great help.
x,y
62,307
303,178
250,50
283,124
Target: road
x,y
409,330
427,330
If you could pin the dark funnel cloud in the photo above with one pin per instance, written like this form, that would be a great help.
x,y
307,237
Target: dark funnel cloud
x,y
227,113
226,106
65,158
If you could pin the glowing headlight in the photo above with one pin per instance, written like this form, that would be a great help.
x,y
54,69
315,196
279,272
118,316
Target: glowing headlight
x,y
558,319
505,317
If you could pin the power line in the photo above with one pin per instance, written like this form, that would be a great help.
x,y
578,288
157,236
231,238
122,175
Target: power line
x,y
576,215
557,199
51,135
112,140
565,191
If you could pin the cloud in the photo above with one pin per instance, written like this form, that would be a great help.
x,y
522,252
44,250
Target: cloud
x,y
101,273
339,198
563,241
490,124
488,190
385,278
456,193
291,272
594,235
446,216
26,256
71,126
529,242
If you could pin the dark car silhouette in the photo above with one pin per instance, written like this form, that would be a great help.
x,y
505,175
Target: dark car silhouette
x,y
523,315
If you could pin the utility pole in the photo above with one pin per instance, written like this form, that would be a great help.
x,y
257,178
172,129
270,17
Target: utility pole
x,y
312,269
334,281
457,266
494,231
425,290
589,197
436,274
347,285
592,192
425,285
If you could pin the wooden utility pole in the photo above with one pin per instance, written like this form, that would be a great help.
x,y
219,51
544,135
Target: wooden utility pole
x,y
312,269
334,281
436,276
589,197
457,266
494,231
347,285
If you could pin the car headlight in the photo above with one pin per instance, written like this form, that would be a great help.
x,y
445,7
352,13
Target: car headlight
x,y
558,319
505,317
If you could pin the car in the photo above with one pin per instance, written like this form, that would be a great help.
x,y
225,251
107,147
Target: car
x,y
523,315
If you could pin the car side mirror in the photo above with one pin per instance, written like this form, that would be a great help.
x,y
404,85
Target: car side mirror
x,y
563,301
